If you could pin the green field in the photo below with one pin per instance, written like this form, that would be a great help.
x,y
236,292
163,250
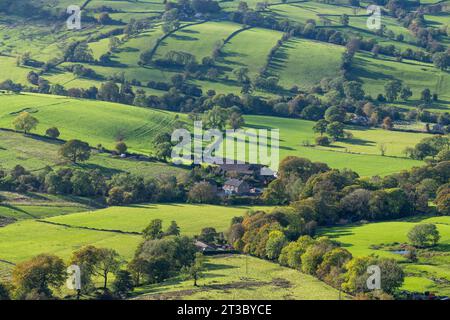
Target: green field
x,y
61,224
35,206
228,278
374,73
25,239
361,153
198,40
304,63
190,218
248,48
430,273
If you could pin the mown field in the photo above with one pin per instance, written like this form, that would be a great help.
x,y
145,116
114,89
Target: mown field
x,y
304,63
190,218
240,277
430,273
72,230
374,73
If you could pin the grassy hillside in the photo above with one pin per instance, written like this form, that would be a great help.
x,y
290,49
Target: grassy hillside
x,y
374,73
248,48
95,122
304,63
228,278
198,40
35,153
102,123
430,273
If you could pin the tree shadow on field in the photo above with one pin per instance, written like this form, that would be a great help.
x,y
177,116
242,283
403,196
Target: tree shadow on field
x,y
128,49
92,166
183,37
363,73
339,232
188,31
217,266
45,139
277,63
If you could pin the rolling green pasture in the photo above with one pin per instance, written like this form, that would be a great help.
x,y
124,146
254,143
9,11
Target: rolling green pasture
x,y
190,218
302,12
360,154
248,49
228,278
426,274
25,239
304,63
129,6
95,122
198,40
374,73
102,122
42,39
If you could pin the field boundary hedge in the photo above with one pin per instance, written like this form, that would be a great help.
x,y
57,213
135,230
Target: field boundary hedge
x,y
88,228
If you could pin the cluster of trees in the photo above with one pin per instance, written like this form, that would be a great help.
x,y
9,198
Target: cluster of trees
x,y
437,148
276,236
116,190
162,255
188,8
39,277
321,196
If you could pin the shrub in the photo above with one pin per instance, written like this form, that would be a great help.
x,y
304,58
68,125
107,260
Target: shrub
x,y
323,141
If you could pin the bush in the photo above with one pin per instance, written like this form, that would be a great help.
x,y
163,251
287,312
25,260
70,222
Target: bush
x,y
121,147
52,132
424,235
323,141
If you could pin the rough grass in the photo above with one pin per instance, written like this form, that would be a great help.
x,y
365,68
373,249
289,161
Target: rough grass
x,y
228,278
